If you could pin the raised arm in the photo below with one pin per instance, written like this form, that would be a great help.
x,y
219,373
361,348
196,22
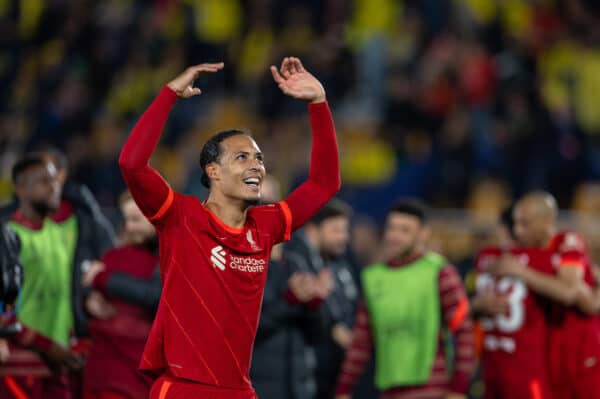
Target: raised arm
x,y
150,191
324,179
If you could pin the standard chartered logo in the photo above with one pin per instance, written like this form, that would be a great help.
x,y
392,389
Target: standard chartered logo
x,y
218,257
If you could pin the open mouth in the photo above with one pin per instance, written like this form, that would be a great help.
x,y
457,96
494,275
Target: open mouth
x,y
252,182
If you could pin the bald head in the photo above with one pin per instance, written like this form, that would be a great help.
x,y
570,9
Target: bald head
x,y
541,203
535,219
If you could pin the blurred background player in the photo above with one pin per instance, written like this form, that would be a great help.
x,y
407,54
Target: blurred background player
x,y
410,304
40,358
566,279
515,328
122,323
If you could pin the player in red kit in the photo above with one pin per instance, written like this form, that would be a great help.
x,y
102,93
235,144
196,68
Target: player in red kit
x,y
514,322
214,255
573,353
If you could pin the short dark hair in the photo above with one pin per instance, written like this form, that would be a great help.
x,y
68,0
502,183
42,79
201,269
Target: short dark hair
x,y
25,163
411,207
332,209
211,151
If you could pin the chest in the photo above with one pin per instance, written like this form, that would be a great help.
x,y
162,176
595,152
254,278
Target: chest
x,y
218,261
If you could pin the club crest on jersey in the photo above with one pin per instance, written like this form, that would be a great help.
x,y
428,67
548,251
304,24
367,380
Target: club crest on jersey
x,y
250,239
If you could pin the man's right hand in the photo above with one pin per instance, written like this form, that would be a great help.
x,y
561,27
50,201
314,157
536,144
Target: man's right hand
x,y
183,85
302,285
342,396
59,355
489,303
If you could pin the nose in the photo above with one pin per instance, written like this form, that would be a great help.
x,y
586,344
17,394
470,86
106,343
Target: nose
x,y
255,165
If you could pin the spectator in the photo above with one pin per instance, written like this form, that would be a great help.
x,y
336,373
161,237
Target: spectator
x,y
322,245
291,322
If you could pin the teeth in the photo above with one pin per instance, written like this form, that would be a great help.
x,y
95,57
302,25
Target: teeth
x,y
252,180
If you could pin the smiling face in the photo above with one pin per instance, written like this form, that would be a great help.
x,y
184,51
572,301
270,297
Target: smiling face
x,y
239,171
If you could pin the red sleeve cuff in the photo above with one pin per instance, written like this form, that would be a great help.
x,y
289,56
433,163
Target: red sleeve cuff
x,y
313,304
343,389
460,382
291,298
168,94
100,281
318,107
30,338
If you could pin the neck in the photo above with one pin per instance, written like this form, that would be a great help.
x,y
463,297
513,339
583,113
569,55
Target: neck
x,y
31,214
548,238
408,256
231,212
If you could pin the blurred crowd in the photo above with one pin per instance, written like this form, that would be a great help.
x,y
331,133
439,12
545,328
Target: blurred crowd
x,y
435,99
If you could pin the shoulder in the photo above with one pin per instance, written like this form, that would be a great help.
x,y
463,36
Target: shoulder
x,y
486,256
9,238
372,269
267,210
568,241
175,205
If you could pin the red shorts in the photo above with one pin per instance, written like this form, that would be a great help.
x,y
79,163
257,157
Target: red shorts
x,y
167,387
533,389
53,387
103,395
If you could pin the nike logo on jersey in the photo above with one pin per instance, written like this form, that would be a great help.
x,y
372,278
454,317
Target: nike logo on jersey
x,y
589,362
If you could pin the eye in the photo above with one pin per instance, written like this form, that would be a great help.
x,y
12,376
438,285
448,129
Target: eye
x,y
241,157
260,158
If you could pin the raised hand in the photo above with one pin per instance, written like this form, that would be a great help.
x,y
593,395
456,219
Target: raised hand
x,y
183,84
296,82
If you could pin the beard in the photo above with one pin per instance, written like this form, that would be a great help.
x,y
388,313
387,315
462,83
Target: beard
x,y
252,201
43,208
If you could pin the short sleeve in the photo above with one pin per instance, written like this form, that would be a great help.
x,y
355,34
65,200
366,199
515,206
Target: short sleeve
x,y
275,220
571,251
167,211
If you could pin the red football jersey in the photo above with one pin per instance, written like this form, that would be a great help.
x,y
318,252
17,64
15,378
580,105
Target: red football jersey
x,y
515,342
209,269
574,346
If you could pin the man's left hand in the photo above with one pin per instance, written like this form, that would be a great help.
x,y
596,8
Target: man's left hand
x,y
454,395
296,82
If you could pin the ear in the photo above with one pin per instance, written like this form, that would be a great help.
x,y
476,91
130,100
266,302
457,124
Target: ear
x,y
213,171
425,235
